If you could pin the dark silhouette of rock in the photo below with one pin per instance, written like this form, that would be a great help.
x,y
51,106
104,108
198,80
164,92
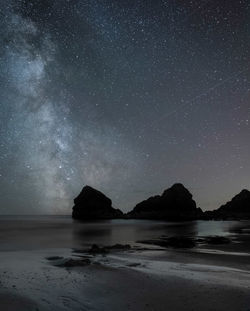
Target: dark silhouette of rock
x,y
70,262
217,240
237,208
54,258
120,247
59,261
186,241
93,204
95,249
174,242
175,204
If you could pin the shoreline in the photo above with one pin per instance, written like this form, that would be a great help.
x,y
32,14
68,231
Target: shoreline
x,y
121,281
52,265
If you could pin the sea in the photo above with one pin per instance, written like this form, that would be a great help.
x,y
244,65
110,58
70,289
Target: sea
x,y
19,233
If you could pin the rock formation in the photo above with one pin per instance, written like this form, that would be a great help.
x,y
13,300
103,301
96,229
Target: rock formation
x,y
237,208
175,204
93,204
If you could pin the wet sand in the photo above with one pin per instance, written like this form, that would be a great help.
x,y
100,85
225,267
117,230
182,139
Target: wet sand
x,y
144,280
11,301
40,269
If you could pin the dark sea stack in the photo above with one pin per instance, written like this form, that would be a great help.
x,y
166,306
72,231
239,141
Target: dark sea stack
x,y
237,208
174,204
93,204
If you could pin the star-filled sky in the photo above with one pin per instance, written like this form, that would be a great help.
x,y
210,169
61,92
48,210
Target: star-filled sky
x,y
126,96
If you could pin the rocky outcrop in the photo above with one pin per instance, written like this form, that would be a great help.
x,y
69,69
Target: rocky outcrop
x,y
93,204
237,208
175,204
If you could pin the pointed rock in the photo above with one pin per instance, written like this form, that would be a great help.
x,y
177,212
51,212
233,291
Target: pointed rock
x,y
237,208
93,204
175,203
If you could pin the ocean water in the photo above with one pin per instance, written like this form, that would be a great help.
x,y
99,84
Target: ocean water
x,y
43,232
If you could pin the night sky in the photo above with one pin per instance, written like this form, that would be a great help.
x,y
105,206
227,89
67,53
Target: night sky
x,y
126,96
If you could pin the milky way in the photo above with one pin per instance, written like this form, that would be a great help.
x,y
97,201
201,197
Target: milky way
x,y
126,96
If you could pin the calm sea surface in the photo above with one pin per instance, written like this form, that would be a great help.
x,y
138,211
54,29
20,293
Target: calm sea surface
x,y
38,232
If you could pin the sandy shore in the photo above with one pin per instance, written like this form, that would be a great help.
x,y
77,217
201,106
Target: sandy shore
x,y
11,301
123,281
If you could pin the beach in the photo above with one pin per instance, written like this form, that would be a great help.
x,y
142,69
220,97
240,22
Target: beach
x,y
35,277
